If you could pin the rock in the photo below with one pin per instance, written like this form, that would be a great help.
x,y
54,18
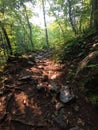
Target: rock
x,y
53,76
95,46
59,121
65,94
39,57
39,86
53,87
27,77
40,67
75,128
30,62
59,105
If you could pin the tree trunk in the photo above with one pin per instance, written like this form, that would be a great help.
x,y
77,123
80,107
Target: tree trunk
x,y
3,46
70,17
29,26
45,23
7,39
58,22
94,14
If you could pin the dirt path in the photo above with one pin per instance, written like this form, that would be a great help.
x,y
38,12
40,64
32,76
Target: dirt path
x,y
29,97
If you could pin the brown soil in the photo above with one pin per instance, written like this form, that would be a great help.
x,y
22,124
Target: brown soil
x,y
24,106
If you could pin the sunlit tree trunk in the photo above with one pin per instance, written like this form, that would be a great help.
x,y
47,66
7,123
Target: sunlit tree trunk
x,y
29,26
45,23
3,45
58,22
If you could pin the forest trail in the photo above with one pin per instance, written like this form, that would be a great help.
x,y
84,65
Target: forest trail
x,y
29,97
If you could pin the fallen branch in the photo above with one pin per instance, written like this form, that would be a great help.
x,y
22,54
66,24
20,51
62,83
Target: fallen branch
x,y
27,123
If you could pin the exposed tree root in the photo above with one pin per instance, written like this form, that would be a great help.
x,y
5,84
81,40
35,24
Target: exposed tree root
x,y
27,123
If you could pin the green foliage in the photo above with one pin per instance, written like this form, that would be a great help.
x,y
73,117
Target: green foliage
x,y
55,35
92,66
74,48
61,36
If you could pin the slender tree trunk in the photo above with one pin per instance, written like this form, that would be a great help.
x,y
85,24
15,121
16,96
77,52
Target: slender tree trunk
x,y
70,17
7,39
30,29
58,22
91,16
5,50
22,24
95,14
45,23
29,26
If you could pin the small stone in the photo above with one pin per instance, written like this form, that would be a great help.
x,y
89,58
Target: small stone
x,y
53,87
39,86
39,57
0,103
53,76
65,94
59,105
56,65
40,67
24,102
25,77
30,62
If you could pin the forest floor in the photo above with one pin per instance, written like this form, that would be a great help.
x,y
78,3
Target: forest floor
x,y
27,102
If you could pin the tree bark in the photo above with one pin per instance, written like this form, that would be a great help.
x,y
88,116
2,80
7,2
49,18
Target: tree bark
x,y
70,17
7,39
94,14
58,22
45,23
29,26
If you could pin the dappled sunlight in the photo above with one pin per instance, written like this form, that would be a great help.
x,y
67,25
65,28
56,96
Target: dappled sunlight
x,y
2,106
21,100
24,102
32,99
48,64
